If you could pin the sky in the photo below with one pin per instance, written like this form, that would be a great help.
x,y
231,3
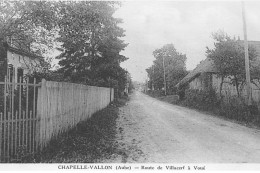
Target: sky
x,y
187,24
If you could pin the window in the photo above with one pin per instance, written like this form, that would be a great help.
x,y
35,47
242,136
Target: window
x,y
10,72
19,74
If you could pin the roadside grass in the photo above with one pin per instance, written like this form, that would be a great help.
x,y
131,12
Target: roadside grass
x,y
91,141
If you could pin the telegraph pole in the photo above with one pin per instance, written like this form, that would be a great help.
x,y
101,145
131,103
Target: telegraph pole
x,y
153,78
248,82
164,77
109,82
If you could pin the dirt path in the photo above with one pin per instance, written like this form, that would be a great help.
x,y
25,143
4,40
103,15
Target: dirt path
x,y
153,131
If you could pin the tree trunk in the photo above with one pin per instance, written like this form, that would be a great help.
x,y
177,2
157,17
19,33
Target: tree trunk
x,y
221,86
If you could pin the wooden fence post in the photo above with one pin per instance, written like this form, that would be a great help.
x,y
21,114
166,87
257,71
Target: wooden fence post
x,y
40,114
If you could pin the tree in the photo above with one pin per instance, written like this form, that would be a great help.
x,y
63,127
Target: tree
x,y
91,43
175,68
29,25
87,31
228,57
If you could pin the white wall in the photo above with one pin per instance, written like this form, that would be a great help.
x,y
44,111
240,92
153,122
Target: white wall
x,y
19,61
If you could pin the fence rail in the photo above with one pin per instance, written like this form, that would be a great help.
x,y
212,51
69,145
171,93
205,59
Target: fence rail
x,y
33,114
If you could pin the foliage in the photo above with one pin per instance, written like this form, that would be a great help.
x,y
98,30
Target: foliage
x,y
231,107
234,108
43,70
228,56
91,42
255,73
87,33
155,93
175,68
201,99
49,76
28,25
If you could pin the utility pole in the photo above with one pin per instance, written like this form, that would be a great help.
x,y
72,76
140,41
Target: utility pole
x,y
153,79
146,86
248,83
164,77
109,82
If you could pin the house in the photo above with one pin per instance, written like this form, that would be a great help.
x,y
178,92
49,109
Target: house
x,y
15,62
199,78
205,75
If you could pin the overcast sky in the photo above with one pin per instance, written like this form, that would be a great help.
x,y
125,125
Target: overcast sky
x,y
187,24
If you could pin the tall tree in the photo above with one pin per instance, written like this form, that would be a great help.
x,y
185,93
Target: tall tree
x,y
228,56
175,68
91,41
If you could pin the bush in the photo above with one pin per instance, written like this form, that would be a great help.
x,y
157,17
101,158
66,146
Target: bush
x,y
232,107
200,99
235,107
155,93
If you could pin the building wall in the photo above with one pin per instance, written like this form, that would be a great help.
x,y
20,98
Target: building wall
x,y
196,83
227,89
203,81
230,90
27,64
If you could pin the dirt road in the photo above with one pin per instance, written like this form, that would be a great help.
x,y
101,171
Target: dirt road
x,y
153,131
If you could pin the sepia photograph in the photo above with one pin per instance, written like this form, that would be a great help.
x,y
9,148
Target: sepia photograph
x,y
130,85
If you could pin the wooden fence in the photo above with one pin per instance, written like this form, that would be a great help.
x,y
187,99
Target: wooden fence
x,y
62,105
32,114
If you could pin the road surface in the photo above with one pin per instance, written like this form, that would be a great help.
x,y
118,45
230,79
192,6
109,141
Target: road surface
x,y
153,131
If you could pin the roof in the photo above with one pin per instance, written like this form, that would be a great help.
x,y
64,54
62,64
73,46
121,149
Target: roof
x,y
207,65
22,52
